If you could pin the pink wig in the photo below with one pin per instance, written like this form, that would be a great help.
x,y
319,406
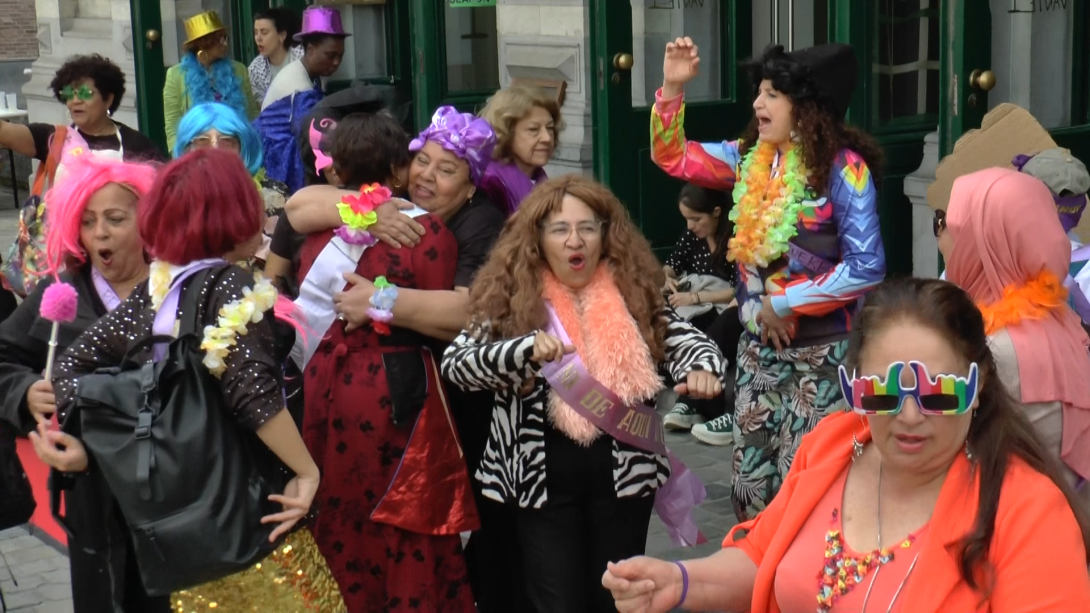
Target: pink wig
x,y
68,200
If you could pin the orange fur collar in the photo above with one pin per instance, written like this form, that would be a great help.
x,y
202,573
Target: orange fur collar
x,y
609,343
1034,300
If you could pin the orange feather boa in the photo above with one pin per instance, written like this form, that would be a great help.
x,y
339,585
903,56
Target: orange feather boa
x,y
1034,300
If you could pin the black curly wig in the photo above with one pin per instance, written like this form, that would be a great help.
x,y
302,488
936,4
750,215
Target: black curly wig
x,y
107,76
819,81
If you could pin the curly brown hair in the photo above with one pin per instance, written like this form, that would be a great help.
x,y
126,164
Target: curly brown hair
x,y
506,295
819,119
822,137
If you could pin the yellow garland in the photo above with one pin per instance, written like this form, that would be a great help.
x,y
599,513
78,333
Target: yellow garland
x,y
233,318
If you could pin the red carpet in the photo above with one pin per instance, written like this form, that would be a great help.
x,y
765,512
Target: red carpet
x,y
39,477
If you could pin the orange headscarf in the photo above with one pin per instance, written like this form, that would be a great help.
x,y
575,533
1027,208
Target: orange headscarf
x,y
1006,234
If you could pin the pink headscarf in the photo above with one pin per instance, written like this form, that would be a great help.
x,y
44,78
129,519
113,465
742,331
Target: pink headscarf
x,y
1006,232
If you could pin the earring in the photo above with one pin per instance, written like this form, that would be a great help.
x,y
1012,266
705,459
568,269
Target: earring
x,y
968,452
109,113
201,54
857,448
794,136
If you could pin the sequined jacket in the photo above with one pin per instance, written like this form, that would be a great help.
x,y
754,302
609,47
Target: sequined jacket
x,y
839,225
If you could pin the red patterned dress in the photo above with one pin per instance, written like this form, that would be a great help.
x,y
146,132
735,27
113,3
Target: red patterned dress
x,y
407,556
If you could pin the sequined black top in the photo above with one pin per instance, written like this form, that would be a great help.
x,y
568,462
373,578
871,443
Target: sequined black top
x,y
251,382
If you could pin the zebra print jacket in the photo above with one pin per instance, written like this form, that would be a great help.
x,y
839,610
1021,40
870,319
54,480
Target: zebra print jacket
x,y
513,467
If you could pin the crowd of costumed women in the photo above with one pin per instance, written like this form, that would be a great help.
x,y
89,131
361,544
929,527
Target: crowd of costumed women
x,y
314,363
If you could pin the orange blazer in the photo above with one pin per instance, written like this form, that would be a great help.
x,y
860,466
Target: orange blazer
x,y
1037,551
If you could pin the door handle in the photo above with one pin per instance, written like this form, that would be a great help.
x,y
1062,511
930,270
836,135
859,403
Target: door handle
x,y
622,61
152,36
983,80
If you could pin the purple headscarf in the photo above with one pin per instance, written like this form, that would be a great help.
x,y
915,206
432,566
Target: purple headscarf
x,y
464,135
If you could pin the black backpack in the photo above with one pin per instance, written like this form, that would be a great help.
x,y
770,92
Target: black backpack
x,y
190,482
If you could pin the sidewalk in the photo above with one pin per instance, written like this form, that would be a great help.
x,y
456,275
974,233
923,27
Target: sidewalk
x,y
40,571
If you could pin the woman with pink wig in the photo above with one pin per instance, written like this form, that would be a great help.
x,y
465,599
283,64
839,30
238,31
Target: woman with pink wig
x,y
94,245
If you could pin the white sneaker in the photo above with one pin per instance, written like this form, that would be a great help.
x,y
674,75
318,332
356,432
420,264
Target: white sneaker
x,y
682,417
717,432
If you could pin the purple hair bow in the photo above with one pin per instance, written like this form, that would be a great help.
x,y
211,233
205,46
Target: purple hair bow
x,y
463,134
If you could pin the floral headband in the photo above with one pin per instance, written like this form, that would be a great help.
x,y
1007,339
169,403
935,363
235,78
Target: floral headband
x,y
463,134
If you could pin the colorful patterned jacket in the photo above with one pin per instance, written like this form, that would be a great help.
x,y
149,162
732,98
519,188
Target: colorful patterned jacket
x,y
838,228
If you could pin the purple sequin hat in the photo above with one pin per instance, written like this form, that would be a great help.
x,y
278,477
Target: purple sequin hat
x,y
463,134
321,20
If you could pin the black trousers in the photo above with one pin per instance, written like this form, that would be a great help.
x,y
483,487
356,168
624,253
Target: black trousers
x,y
724,329
566,545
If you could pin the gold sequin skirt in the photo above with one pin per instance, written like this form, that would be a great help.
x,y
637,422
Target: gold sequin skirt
x,y
292,579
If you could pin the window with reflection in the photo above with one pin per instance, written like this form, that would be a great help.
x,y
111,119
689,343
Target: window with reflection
x,y
472,50
657,22
906,69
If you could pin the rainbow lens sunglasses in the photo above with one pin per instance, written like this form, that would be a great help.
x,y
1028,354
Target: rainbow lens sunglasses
x,y
943,395
83,93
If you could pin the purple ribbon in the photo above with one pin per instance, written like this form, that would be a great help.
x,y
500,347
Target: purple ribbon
x,y
463,134
106,294
1070,209
168,311
639,426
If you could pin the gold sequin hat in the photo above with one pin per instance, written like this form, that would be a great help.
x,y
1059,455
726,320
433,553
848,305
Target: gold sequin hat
x,y
201,25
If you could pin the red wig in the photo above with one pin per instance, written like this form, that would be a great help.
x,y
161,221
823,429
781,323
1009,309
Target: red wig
x,y
202,205
68,200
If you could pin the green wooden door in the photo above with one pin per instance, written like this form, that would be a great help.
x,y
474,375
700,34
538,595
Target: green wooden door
x,y
718,105
967,35
455,56
157,46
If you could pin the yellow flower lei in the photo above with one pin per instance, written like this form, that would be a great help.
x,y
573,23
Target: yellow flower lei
x,y
233,320
234,317
766,209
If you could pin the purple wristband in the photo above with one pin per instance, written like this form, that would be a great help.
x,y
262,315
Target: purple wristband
x,y
684,583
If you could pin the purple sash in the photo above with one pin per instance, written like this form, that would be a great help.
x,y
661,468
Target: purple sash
x,y
814,263
639,426
168,311
105,293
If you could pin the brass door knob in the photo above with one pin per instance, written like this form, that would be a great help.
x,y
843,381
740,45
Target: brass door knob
x,y
622,61
152,36
984,80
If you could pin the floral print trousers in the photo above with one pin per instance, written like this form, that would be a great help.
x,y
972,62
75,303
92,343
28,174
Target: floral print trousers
x,y
780,396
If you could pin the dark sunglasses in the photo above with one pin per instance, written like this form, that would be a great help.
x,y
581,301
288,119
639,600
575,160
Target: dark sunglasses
x,y
939,222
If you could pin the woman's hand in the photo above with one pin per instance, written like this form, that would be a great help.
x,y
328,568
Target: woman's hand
x,y
40,401
394,227
700,384
683,299
548,348
681,64
59,450
297,498
643,585
773,327
354,302
670,287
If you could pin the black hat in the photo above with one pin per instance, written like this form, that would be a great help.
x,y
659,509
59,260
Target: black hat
x,y
359,98
825,73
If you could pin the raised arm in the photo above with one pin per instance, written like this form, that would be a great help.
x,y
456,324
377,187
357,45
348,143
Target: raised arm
x,y
711,165
472,363
863,257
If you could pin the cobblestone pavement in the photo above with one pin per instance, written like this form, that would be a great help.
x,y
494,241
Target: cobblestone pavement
x,y
42,572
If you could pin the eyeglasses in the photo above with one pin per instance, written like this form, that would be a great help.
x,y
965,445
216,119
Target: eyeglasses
x,y
83,93
943,395
227,143
585,229
939,222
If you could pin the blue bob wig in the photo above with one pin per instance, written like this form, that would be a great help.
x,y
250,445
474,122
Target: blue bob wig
x,y
226,120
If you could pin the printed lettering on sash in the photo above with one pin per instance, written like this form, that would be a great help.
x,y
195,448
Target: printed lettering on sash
x,y
596,403
569,377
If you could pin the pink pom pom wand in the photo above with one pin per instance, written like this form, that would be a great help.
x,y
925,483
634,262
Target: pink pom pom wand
x,y
59,304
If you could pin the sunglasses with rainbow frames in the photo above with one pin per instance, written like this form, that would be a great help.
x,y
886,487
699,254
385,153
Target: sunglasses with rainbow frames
x,y
943,395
